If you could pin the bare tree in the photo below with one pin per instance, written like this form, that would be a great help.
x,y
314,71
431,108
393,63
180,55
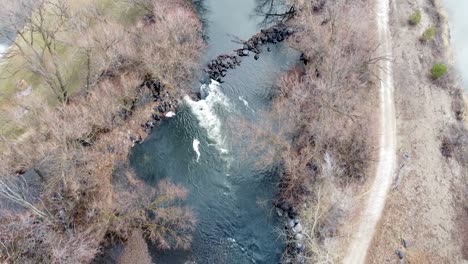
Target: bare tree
x,y
36,40
14,193
274,11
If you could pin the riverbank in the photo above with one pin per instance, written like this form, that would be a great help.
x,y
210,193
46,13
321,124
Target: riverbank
x,y
425,215
326,124
77,152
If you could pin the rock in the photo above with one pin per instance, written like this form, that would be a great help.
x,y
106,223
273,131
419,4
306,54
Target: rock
x,y
300,259
256,57
405,243
300,247
170,114
400,254
290,223
268,49
150,124
156,117
297,228
299,237
279,212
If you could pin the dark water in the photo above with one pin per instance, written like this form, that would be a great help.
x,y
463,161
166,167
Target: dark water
x,y
231,197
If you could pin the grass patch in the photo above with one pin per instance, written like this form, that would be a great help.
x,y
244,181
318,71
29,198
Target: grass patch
x,y
428,34
415,18
438,70
72,59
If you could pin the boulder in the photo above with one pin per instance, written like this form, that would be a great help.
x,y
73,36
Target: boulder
x,y
400,254
161,109
279,212
299,237
297,228
299,246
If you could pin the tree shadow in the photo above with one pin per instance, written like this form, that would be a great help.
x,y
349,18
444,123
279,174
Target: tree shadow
x,y
273,11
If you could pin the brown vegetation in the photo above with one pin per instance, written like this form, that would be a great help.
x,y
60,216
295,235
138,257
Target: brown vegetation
x,y
322,120
78,146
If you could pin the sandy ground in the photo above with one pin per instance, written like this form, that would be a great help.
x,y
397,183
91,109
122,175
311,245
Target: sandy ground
x,y
424,218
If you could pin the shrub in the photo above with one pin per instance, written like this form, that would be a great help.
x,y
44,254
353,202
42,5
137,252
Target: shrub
x,y
438,70
428,34
455,144
415,18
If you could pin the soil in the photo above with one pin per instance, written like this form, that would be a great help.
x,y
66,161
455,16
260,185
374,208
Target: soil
x,y
424,220
377,194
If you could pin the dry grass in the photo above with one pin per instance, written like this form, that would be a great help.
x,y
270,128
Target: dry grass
x,y
78,146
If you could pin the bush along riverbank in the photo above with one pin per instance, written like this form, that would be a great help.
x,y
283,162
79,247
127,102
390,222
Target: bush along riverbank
x,y
323,119
66,189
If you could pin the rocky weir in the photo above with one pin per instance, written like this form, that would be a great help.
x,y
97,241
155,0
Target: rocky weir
x,y
216,70
191,142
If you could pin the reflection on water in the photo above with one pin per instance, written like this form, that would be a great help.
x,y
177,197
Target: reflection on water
x,y
459,32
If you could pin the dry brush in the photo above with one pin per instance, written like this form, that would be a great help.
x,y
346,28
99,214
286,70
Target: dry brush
x,y
78,146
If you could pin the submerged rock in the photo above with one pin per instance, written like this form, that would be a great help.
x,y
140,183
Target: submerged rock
x,y
279,212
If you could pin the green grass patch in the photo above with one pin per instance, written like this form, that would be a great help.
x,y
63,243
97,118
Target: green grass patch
x,y
438,70
415,18
428,34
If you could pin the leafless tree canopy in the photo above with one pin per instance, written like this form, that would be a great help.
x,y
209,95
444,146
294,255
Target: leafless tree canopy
x,y
319,129
78,146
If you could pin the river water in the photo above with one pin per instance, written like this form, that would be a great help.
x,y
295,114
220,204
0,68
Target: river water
x,y
230,196
456,10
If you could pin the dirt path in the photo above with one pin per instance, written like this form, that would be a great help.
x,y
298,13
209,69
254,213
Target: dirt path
x,y
424,217
358,248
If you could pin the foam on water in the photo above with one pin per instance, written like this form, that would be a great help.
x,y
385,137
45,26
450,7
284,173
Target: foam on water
x,y
3,49
196,148
246,103
204,111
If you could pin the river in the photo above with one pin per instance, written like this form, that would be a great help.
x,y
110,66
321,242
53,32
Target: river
x,y
459,34
231,197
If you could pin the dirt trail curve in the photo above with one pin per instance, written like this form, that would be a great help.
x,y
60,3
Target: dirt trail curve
x,y
378,192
